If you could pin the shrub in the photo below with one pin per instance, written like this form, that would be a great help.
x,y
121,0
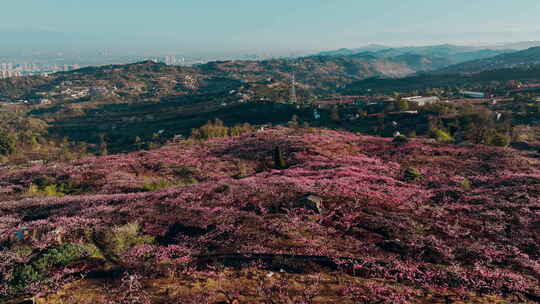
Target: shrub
x,y
39,268
8,143
402,105
43,180
440,135
412,175
500,140
243,169
466,184
279,160
185,176
334,114
49,190
113,243
400,139
24,276
127,236
182,179
216,129
387,131
58,256
156,184
32,190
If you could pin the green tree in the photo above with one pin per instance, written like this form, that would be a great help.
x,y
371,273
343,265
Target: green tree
x,y
294,122
138,142
500,140
334,114
103,147
8,144
412,174
403,105
440,135
279,160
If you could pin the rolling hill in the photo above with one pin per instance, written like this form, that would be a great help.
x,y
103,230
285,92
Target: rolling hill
x,y
521,59
488,79
318,73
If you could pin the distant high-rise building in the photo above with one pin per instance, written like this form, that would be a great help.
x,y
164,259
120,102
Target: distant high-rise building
x,y
169,60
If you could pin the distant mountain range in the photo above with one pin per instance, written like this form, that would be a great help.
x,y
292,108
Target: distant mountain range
x,y
518,46
448,58
346,52
424,81
432,50
521,59
424,58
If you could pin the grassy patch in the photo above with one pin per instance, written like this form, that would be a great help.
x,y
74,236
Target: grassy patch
x,y
155,184
111,244
40,188
40,267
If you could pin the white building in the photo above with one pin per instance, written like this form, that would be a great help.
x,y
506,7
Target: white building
x,y
421,101
473,94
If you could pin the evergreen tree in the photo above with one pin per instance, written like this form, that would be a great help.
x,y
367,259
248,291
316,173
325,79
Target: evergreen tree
x,y
334,114
8,144
279,161
103,147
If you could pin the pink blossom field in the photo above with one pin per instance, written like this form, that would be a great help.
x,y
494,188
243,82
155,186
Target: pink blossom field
x,y
411,222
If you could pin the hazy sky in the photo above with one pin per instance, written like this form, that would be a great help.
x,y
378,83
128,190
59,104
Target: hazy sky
x,y
275,25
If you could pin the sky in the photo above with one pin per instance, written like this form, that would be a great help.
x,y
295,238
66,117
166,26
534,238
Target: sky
x,y
264,26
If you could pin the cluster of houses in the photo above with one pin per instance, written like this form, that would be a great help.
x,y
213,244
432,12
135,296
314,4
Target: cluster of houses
x,y
371,100
243,95
421,100
341,100
375,103
71,93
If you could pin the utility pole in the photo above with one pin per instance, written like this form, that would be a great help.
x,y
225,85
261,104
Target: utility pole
x,y
292,95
